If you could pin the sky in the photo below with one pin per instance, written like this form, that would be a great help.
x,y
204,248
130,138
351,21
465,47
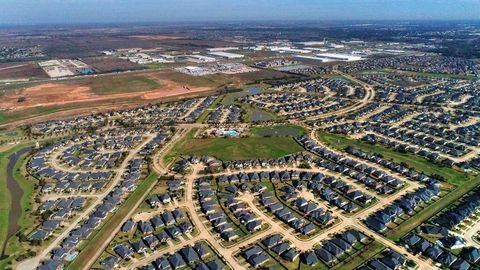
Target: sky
x,y
126,11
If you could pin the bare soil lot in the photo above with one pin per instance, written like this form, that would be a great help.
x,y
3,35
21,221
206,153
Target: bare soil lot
x,y
107,64
21,70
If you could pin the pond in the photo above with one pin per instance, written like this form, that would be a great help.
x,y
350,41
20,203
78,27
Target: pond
x,y
261,116
279,131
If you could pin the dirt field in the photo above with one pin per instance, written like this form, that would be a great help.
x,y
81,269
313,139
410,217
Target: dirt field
x,y
110,64
55,94
20,71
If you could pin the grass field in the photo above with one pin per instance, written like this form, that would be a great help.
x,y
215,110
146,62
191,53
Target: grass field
x,y
114,222
177,147
420,164
241,148
123,84
9,116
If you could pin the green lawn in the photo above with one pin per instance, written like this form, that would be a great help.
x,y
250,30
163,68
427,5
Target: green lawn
x,y
241,148
10,116
114,222
177,147
123,84
418,163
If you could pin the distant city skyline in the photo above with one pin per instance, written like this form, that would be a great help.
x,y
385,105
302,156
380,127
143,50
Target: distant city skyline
x,y
25,12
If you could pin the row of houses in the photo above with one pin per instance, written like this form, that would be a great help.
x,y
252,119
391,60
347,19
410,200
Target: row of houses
x,y
200,109
374,178
442,257
387,260
211,208
442,132
295,105
225,114
459,213
301,224
109,204
407,204
420,140
54,212
151,114
396,167
330,252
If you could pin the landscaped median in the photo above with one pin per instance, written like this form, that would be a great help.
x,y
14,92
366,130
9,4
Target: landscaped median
x,y
110,226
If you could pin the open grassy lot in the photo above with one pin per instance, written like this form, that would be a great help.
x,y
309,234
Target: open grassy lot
x,y
420,164
102,235
241,148
177,147
123,84
9,116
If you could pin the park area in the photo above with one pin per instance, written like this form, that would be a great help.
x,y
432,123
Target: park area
x,y
263,143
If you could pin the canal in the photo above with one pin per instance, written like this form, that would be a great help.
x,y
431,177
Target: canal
x,y
16,194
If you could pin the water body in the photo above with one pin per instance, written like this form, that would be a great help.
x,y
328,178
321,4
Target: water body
x,y
254,90
261,116
16,194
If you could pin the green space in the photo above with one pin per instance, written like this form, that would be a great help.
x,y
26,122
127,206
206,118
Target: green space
x,y
25,221
278,131
10,116
241,148
420,164
177,147
110,225
123,84
155,65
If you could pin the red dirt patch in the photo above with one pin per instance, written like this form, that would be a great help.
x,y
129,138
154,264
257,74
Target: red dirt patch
x,y
50,94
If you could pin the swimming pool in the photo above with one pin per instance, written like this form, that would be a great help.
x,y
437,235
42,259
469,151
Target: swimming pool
x,y
231,133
